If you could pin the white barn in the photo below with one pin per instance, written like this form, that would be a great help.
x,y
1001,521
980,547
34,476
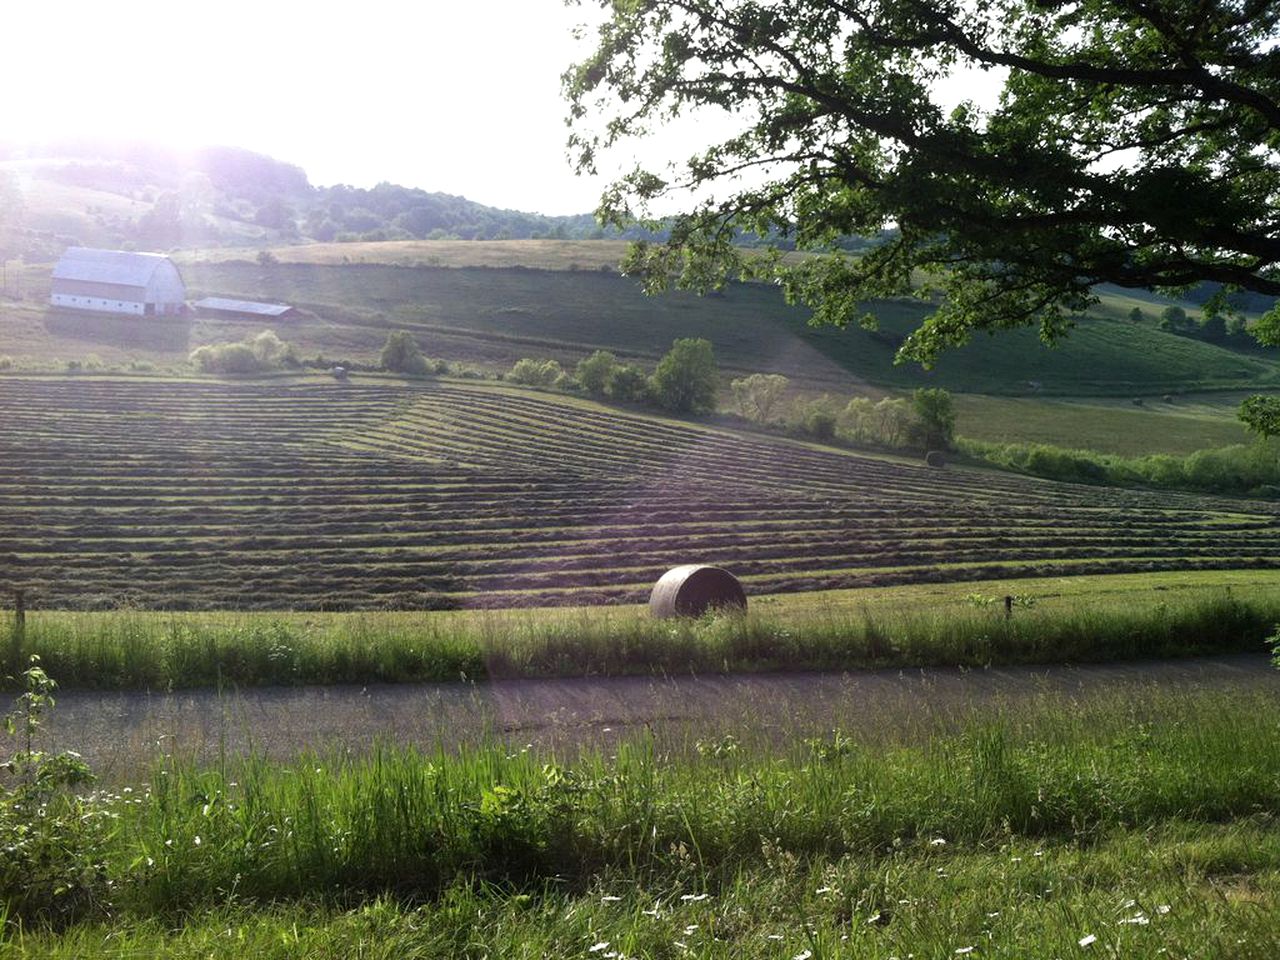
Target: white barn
x,y
117,281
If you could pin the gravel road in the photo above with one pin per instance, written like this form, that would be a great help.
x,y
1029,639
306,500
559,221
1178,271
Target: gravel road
x,y
122,734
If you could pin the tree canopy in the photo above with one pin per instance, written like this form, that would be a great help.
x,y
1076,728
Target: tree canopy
x,y
1133,142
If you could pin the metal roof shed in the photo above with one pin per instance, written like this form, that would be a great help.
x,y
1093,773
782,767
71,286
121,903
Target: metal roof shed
x,y
244,309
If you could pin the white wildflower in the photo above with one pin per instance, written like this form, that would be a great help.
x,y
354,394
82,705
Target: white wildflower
x,y
937,842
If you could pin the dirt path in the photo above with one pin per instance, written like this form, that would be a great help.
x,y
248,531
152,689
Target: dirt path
x,y
122,734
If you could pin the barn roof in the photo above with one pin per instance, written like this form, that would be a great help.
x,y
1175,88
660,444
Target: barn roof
x,y
243,306
120,267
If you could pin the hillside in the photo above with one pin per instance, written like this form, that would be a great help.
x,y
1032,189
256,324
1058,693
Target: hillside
x,y
310,493
496,315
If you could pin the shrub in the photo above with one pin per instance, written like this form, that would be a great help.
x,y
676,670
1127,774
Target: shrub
x,y
400,354
685,379
936,459
266,351
593,372
266,258
52,870
628,384
535,373
817,418
935,414
758,395
6,363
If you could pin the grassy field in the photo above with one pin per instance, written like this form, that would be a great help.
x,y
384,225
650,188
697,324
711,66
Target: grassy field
x,y
491,316
1178,425
1063,619
315,494
1141,825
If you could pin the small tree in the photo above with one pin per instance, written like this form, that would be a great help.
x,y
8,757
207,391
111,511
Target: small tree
x,y
628,384
685,379
936,417
758,395
1174,319
594,371
1261,415
400,354
535,373
1136,315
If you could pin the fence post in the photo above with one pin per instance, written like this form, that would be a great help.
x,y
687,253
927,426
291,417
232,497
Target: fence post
x,y
1008,607
19,635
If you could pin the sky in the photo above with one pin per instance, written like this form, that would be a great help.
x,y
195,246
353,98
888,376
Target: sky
x,y
447,95
456,96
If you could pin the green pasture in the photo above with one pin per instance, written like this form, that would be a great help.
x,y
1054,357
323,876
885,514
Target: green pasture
x,y
1177,425
499,315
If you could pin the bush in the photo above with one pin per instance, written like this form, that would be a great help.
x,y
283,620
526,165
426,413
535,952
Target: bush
x,y
685,379
817,419
594,372
935,414
52,870
758,395
257,354
400,354
936,459
6,363
628,384
535,373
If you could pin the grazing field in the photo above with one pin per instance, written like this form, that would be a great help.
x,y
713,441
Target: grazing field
x,y
481,315
308,493
1177,425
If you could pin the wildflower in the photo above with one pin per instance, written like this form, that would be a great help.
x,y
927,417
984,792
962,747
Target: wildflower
x,y
937,842
1163,909
1087,940
197,840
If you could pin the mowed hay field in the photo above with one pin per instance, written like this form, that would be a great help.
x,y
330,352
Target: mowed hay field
x,y
308,493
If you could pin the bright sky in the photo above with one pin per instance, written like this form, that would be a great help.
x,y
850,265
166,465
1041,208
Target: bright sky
x,y
457,96
448,95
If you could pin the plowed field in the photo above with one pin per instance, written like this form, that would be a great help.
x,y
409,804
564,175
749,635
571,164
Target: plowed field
x,y
314,494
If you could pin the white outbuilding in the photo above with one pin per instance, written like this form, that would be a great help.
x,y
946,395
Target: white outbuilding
x,y
118,281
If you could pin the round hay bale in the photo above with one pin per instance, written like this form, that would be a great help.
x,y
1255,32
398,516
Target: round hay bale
x,y
935,458
693,589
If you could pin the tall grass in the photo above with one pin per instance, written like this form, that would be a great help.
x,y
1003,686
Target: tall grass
x,y
137,650
401,822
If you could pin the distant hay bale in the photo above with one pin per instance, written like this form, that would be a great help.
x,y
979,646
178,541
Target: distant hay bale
x,y
935,458
693,589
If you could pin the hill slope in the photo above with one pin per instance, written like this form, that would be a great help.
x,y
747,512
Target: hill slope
x,y
497,315
310,494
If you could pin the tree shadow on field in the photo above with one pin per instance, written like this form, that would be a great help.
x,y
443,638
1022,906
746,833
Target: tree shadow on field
x,y
168,334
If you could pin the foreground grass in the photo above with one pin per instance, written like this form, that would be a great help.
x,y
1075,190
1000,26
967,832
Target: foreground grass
x,y
1147,824
1097,619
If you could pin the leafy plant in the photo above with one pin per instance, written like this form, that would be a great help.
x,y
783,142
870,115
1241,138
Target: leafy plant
x,y
52,870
